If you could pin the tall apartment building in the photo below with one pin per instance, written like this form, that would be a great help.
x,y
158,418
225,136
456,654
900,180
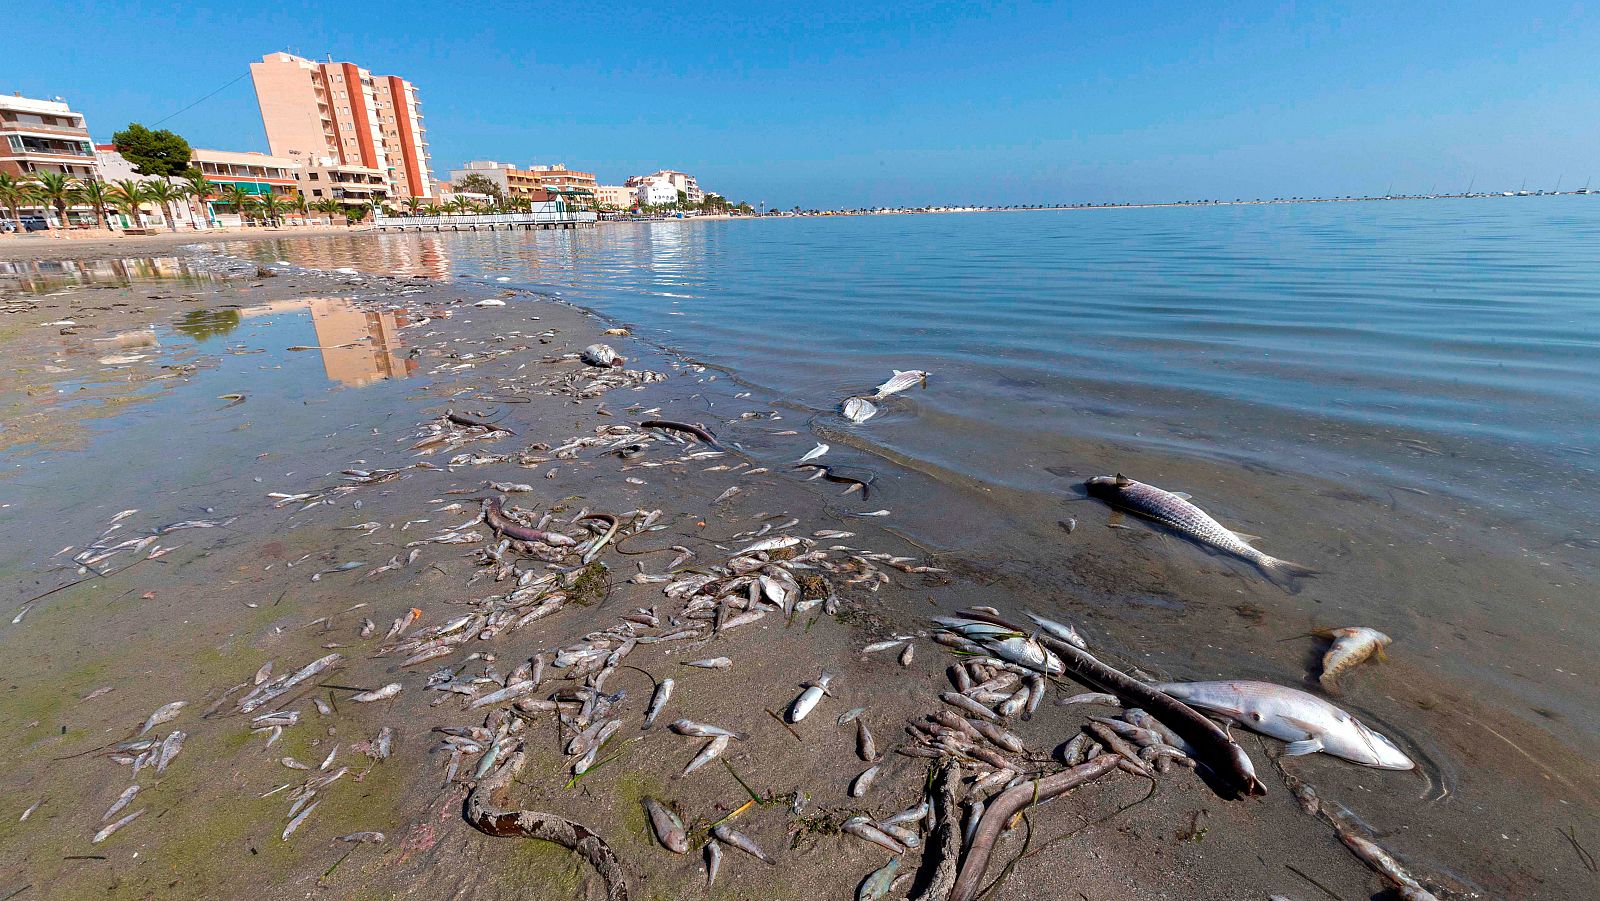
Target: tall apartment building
x,y
339,114
44,136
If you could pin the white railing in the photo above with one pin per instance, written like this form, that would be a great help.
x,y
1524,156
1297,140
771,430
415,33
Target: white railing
x,y
539,217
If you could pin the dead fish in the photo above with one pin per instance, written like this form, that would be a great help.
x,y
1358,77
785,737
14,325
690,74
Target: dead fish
x,y
367,628
122,801
341,568
878,882
710,663
378,694
602,355
170,746
30,811
702,730
808,699
731,836
866,746
106,833
770,544
726,494
862,828
510,693
814,453
1174,511
1308,723
863,782
858,409
657,701
166,713
667,826
885,644
900,381
907,654
712,750
1060,630
363,838
852,713
1383,862
301,818
1351,645
713,861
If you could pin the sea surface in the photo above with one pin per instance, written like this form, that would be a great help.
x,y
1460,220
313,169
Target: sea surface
x,y
1404,396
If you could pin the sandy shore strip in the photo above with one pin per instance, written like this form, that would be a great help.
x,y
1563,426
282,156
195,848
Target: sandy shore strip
x,y
498,565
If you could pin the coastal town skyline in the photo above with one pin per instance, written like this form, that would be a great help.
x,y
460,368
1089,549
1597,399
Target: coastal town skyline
x,y
822,114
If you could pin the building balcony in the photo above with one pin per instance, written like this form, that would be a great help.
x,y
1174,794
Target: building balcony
x,y
9,126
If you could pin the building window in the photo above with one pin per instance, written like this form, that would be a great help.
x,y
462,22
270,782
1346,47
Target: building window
x,y
316,192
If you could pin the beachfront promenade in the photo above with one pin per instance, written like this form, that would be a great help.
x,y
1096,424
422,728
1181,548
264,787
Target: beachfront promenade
x,y
488,221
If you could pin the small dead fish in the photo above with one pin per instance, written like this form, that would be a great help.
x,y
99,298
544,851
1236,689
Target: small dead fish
x,y
814,453
807,700
702,730
710,752
862,828
727,494
30,811
170,746
863,782
341,568
165,714
657,701
122,801
363,838
964,703
731,836
301,818
713,861
866,747
907,654
367,628
900,381
858,409
878,882
510,693
1060,630
852,713
711,663
667,826
1351,645
106,833
378,694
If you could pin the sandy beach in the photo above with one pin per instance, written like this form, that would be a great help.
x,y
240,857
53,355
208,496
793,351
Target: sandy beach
x,y
336,495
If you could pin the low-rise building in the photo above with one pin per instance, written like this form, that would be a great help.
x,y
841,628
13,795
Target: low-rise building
x,y
616,197
535,182
654,191
680,181
326,178
38,136
254,173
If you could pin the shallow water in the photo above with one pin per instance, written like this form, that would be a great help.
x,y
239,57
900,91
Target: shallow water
x,y
1400,395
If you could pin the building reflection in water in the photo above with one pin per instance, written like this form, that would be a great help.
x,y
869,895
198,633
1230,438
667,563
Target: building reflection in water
x,y
358,346
44,275
417,255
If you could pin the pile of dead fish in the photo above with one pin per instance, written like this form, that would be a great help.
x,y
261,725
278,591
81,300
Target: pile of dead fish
x,y
154,753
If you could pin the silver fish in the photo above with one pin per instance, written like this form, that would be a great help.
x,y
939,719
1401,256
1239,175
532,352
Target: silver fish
x,y
667,826
712,750
852,713
1176,513
363,838
658,701
1308,723
900,381
300,818
1060,630
105,833
510,693
122,801
702,730
866,747
378,694
814,453
170,746
731,836
862,828
713,861
863,782
858,409
166,713
808,699
710,663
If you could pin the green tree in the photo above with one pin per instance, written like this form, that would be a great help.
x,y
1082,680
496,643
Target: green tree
x,y
413,204
478,183
98,197
458,205
165,194
240,199
197,188
58,190
15,193
357,213
128,196
329,206
271,205
160,153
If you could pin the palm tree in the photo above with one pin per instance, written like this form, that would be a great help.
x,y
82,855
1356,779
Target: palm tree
x,y
413,204
198,188
271,205
240,199
98,197
128,196
458,205
330,206
59,190
164,194
14,194
299,205
357,213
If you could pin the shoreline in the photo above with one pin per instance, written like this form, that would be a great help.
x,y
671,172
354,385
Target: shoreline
x,y
786,656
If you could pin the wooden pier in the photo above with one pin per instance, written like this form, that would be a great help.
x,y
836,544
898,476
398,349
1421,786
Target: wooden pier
x,y
489,222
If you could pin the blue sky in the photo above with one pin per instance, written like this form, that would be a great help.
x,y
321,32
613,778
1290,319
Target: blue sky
x,y
828,104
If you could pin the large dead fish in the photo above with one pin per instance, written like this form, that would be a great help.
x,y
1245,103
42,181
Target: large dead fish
x,y
1308,723
858,409
900,381
1174,511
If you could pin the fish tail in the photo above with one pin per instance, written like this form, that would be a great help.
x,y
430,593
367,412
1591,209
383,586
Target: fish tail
x,y
1284,573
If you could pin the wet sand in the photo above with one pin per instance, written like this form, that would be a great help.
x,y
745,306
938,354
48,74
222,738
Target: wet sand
x,y
104,437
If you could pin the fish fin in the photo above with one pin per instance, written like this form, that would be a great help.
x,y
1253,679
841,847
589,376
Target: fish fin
x,y
1183,495
1123,481
1245,537
1378,652
1283,573
1301,748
